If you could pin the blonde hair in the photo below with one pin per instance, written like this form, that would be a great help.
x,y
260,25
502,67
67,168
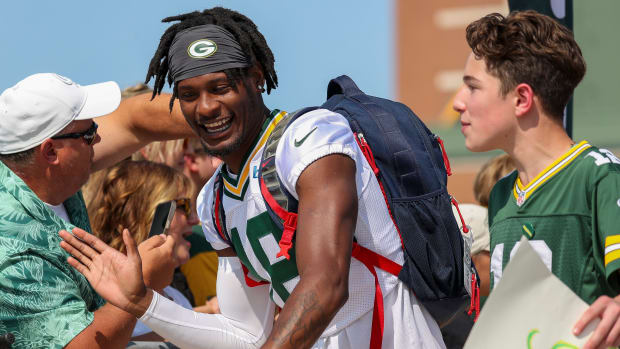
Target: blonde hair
x,y
137,89
489,174
163,152
127,198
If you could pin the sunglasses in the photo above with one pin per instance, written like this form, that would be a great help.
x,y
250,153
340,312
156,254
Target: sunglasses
x,y
89,135
185,205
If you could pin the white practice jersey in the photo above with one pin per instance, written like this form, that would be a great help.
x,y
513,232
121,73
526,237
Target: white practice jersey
x,y
312,136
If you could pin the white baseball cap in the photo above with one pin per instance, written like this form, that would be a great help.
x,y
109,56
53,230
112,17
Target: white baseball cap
x,y
41,105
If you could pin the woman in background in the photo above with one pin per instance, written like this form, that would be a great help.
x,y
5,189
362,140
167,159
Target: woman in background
x,y
127,197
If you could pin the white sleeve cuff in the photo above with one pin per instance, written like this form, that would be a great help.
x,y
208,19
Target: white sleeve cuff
x,y
188,329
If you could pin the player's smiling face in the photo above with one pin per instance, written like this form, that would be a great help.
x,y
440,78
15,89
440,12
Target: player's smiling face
x,y
487,117
226,118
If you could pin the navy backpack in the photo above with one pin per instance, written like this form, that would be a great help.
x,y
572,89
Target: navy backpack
x,y
411,166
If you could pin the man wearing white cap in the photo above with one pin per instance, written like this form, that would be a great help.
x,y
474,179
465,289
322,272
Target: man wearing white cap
x,y
49,144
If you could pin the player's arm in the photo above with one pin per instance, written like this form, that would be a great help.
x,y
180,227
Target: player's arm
x,y
607,309
326,223
137,122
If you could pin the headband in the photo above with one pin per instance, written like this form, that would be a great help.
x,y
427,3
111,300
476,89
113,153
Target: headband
x,y
204,49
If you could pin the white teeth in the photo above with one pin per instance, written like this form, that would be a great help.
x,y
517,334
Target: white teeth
x,y
217,123
217,126
218,129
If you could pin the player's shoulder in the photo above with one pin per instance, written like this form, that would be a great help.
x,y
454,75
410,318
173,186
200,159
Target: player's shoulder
x,y
312,136
319,121
315,129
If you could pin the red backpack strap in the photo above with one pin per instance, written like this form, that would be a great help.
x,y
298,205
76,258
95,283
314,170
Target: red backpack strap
x,y
281,205
289,220
371,259
219,218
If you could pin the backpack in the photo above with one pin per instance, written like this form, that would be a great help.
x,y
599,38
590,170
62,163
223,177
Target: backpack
x,y
411,167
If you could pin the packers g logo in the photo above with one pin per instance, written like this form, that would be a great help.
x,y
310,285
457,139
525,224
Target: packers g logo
x,y
201,48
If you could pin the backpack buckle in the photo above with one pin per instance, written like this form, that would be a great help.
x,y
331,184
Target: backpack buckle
x,y
286,241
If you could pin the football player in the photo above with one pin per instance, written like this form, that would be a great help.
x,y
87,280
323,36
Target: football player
x,y
221,65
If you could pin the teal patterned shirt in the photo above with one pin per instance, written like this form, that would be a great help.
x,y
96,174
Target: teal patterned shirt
x,y
44,302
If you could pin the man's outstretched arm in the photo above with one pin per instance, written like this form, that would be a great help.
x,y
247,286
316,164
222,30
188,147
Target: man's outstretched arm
x,y
324,237
137,122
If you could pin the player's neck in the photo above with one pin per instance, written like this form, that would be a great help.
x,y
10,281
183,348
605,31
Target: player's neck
x,y
537,147
234,161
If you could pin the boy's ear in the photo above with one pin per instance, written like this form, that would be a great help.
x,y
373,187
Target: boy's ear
x,y
523,99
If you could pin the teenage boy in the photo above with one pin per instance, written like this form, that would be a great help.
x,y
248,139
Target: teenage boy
x,y
564,196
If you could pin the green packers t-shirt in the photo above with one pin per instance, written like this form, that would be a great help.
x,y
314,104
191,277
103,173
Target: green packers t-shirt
x,y
569,212
44,302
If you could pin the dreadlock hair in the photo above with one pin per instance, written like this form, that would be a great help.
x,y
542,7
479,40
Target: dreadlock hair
x,y
241,27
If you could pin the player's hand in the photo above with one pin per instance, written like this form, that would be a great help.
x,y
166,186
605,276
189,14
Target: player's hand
x,y
115,276
607,333
158,261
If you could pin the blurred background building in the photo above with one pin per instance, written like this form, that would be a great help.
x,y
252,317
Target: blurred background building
x,y
430,55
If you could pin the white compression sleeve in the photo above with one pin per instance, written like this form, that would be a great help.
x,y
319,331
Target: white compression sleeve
x,y
245,322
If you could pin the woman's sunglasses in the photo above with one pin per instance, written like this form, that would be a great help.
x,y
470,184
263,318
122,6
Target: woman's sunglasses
x,y
185,205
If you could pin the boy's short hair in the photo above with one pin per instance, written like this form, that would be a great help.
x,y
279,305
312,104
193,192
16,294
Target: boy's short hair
x,y
529,47
489,174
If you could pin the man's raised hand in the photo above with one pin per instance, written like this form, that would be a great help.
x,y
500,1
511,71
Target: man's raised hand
x,y
115,276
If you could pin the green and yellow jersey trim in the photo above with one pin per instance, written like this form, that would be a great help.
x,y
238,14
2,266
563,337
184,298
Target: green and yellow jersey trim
x,y
526,191
612,248
236,187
